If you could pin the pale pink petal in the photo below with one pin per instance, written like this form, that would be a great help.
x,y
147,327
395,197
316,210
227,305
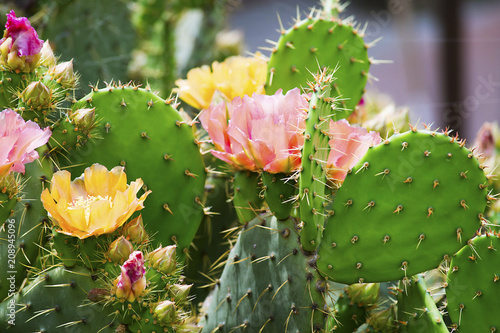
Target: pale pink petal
x,y
348,144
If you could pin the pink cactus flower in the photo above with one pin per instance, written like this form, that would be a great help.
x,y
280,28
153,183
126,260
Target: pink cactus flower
x,y
131,283
18,141
259,133
348,144
24,38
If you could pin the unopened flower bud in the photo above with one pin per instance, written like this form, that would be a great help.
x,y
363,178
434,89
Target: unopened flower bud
x,y
120,250
364,294
180,291
64,75
37,95
163,259
132,282
83,118
135,231
188,328
165,312
47,57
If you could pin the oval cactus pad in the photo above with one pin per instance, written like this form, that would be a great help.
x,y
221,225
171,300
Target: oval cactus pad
x,y
411,201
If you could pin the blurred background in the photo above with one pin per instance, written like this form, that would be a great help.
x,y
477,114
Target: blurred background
x,y
444,54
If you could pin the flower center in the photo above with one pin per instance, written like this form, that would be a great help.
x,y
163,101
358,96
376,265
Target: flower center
x,y
86,203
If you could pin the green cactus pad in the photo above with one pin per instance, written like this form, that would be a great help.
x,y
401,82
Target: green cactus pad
x,y
247,199
473,292
149,138
29,221
312,182
314,43
56,301
11,84
410,202
280,192
417,311
347,317
267,284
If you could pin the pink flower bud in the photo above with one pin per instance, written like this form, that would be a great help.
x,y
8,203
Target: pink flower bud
x,y
132,282
120,250
163,259
135,231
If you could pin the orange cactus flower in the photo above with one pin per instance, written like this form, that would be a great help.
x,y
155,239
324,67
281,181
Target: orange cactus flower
x,y
98,202
235,76
348,144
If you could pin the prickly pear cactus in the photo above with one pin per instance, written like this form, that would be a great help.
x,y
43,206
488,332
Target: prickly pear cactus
x,y
429,199
313,44
27,227
146,135
267,285
472,292
417,311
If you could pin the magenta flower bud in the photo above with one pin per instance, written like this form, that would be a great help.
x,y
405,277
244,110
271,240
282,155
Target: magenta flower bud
x,y
64,75
22,51
163,259
120,250
135,231
165,312
131,283
37,95
83,118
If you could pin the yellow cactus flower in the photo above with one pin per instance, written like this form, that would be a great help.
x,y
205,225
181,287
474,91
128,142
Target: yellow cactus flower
x,y
97,203
235,76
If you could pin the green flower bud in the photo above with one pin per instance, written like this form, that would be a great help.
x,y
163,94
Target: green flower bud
x,y
188,328
135,231
163,259
120,250
37,95
83,118
64,75
363,294
165,312
47,57
180,292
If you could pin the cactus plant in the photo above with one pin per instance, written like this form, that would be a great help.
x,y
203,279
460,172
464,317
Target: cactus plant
x,y
320,202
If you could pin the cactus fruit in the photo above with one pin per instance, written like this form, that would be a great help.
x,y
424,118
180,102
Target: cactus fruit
x,y
268,285
144,125
431,192
472,292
